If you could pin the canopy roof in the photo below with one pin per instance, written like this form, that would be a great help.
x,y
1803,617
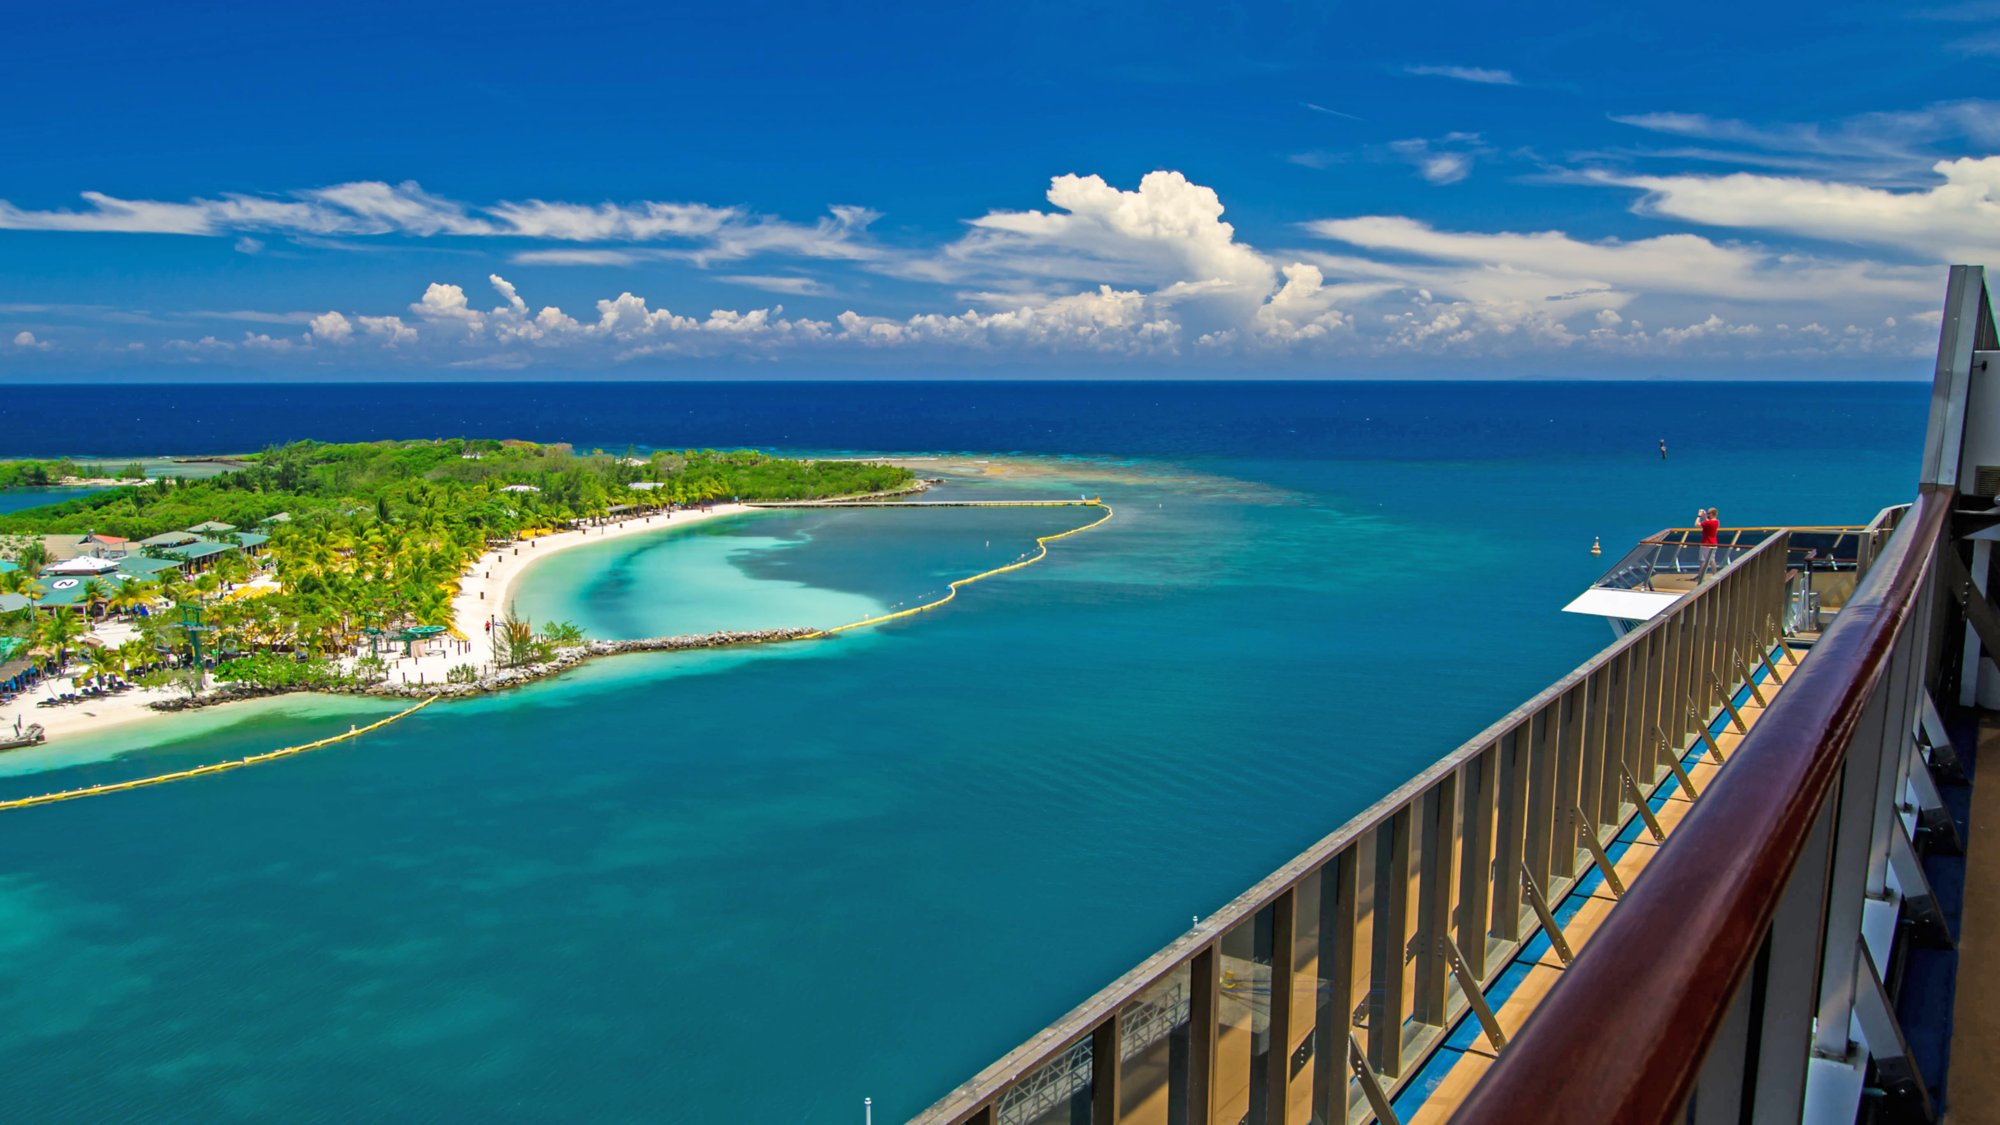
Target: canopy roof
x,y
211,527
82,564
201,549
13,603
62,590
168,539
140,566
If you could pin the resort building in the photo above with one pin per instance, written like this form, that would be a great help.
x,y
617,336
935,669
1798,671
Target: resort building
x,y
87,566
69,545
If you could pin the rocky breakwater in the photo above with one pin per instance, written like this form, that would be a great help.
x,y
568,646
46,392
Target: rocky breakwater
x,y
498,679
565,659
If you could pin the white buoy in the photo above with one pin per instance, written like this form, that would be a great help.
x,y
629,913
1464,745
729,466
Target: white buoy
x,y
868,1111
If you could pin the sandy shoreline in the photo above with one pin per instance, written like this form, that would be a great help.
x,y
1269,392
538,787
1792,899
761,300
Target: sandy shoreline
x,y
489,585
486,590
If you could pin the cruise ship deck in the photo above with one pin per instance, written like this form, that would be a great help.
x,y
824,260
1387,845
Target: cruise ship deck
x,y
1731,869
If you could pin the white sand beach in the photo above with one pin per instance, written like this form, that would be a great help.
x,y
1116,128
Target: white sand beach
x,y
483,592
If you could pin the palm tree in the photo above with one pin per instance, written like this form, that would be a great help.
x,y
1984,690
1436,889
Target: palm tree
x,y
101,664
96,592
134,594
57,632
205,585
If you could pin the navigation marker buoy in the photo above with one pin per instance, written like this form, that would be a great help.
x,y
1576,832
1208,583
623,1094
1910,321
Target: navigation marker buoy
x,y
1595,548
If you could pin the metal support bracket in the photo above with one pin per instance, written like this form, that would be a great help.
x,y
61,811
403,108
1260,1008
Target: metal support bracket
x,y
1707,736
1944,755
1918,899
1933,815
1770,667
1588,832
1674,760
1371,1086
1469,984
1980,616
1729,702
1549,926
1638,798
1750,680
1895,1070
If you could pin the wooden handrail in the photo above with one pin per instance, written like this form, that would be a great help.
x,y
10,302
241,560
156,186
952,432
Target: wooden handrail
x,y
1623,1036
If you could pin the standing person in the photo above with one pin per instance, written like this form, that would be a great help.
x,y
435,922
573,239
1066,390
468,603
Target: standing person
x,y
1711,531
1663,449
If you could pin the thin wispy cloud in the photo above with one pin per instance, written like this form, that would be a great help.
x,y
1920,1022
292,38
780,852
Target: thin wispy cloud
x,y
1331,112
781,283
1876,147
1483,75
365,209
1445,160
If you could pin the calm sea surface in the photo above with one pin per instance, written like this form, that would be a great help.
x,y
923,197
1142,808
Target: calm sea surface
x,y
757,886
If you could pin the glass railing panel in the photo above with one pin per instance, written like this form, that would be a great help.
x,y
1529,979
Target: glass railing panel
x,y
1307,988
1243,1018
1056,1093
1153,1053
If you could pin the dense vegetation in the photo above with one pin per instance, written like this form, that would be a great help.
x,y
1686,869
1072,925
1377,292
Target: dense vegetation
x,y
17,474
378,534
458,480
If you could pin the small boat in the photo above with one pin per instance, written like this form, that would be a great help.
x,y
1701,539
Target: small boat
x,y
23,737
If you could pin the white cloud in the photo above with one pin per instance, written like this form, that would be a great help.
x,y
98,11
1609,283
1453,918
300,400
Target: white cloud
x,y
1955,220
332,328
1446,160
25,339
790,285
575,258
447,303
1888,147
248,245
1156,271
389,329
405,208
1482,75
372,208
1548,265
1168,235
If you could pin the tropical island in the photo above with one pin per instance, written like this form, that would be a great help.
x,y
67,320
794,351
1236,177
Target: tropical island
x,y
318,566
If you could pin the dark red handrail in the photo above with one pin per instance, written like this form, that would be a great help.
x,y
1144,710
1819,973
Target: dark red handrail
x,y
1623,1036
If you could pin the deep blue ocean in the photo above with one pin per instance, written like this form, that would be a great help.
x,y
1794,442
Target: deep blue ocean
x,y
761,885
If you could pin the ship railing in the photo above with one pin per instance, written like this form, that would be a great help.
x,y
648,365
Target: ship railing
x,y
1741,979
1319,992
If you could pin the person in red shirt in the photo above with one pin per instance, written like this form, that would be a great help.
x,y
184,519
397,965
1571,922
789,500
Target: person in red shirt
x,y
1711,529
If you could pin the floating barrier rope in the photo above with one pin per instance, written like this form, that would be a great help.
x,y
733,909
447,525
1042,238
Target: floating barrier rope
x,y
214,767
1041,552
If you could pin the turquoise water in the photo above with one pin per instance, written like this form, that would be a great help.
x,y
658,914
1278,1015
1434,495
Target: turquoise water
x,y
760,885
17,499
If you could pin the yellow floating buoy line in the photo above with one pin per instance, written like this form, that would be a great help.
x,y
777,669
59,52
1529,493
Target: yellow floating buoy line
x,y
1041,552
214,767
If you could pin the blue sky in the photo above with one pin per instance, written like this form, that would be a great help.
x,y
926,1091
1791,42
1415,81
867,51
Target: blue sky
x,y
1281,190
